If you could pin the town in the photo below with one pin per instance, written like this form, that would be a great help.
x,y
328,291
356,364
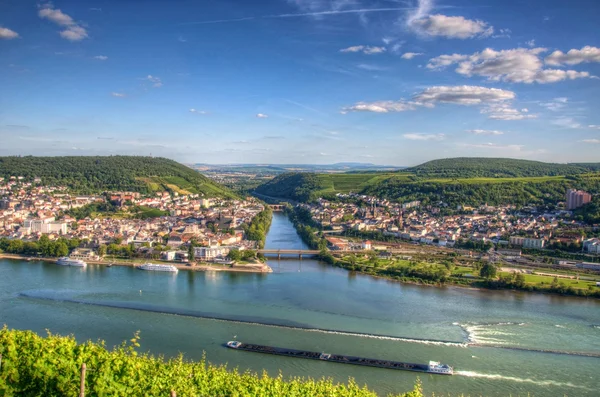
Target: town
x,y
485,226
164,227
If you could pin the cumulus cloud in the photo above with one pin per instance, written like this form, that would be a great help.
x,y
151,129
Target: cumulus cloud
x,y
410,55
118,94
504,111
7,34
365,49
463,95
101,57
73,31
496,102
424,137
452,27
262,116
519,65
574,56
485,132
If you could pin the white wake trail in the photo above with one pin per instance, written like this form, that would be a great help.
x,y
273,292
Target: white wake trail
x,y
473,374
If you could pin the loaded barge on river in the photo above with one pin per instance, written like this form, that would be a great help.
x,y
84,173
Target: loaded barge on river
x,y
433,367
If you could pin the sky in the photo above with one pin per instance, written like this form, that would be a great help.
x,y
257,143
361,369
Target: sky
x,y
301,81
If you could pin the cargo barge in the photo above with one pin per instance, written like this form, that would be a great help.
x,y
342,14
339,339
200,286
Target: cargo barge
x,y
433,367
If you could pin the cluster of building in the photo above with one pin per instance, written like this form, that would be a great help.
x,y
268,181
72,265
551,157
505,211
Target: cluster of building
x,y
501,225
30,209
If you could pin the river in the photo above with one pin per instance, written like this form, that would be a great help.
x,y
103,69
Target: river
x,y
500,343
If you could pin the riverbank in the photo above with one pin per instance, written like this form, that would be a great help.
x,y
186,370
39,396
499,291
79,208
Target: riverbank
x,y
255,267
435,273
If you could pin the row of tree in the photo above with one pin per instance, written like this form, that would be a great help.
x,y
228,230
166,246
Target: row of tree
x,y
43,247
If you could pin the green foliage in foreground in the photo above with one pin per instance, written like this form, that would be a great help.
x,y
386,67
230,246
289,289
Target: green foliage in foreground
x,y
36,366
95,174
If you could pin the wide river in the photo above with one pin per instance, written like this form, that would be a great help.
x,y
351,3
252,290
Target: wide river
x,y
500,343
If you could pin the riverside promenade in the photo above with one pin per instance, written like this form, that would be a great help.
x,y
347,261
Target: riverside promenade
x,y
256,267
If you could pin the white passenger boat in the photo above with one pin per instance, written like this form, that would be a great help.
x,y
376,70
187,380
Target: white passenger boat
x,y
66,261
158,268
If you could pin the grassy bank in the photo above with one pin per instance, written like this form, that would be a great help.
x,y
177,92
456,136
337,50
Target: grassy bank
x,y
36,366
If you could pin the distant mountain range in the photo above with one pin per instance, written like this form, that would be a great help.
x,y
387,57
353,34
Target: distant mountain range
x,y
281,168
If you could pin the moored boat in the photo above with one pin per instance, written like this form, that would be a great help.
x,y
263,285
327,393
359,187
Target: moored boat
x,y
434,367
66,261
158,268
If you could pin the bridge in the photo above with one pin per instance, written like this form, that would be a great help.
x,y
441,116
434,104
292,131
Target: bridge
x,y
294,252
277,207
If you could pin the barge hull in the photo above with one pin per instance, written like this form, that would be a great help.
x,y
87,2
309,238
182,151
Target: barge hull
x,y
336,358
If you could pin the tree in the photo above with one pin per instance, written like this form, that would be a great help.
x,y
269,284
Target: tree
x,y
488,271
520,280
61,249
191,253
234,255
102,250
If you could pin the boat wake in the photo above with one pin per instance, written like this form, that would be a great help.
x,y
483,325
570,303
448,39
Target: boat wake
x,y
251,320
472,374
486,335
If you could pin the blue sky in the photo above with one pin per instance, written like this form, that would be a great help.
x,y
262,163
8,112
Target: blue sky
x,y
301,81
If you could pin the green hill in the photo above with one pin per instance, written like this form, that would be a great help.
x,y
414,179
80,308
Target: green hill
x,y
468,167
95,174
462,181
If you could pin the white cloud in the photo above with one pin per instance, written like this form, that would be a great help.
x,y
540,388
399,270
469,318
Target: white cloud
x,y
504,111
457,27
262,116
463,95
424,137
574,57
530,43
101,57
594,141
73,31
118,94
519,65
368,50
196,111
7,34
502,33
381,107
410,55
372,68
490,145
566,122
442,61
485,132
556,104
459,95
156,82
596,127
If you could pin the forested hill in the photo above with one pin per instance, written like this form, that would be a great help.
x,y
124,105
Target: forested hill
x,y
115,173
472,167
454,182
